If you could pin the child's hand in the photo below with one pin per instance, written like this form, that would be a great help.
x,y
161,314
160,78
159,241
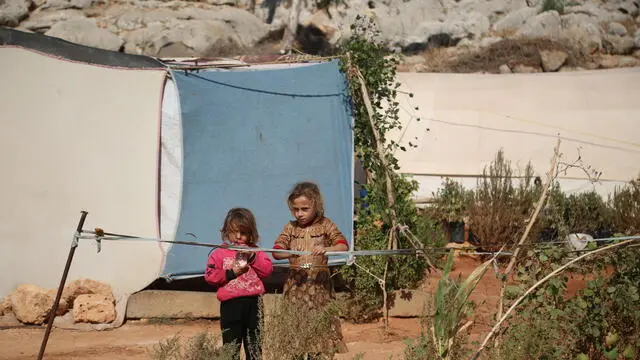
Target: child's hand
x,y
318,250
239,270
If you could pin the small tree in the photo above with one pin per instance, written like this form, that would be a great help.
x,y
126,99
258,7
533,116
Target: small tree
x,y
388,207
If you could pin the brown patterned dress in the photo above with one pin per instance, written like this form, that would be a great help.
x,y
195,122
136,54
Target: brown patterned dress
x,y
309,283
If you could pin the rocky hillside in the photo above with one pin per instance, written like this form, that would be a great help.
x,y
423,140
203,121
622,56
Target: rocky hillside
x,y
436,35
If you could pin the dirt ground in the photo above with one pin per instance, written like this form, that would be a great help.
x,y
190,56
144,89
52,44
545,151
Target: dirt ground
x,y
134,338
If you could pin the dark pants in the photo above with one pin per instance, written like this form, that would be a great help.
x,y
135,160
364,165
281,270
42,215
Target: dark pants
x,y
240,322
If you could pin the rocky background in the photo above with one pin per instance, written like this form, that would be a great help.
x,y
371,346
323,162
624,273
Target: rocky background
x,y
435,35
82,301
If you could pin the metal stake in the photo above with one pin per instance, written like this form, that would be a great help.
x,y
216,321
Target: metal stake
x,y
56,302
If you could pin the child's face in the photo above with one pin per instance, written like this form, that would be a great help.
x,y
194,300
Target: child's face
x,y
302,209
237,236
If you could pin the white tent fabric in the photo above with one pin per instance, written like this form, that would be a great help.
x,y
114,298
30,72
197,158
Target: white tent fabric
x,y
469,117
170,164
77,137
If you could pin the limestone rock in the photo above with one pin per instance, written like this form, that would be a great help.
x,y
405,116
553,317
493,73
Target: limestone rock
x,y
63,306
41,21
628,61
615,28
618,45
85,32
13,11
93,308
70,4
636,39
5,306
31,304
546,24
488,41
514,21
570,69
86,286
504,69
585,37
552,60
524,69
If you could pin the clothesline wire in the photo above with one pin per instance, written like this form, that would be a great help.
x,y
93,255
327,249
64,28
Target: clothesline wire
x,y
104,236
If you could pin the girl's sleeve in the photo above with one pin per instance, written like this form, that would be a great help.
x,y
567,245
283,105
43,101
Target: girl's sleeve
x,y
284,239
334,235
262,265
215,274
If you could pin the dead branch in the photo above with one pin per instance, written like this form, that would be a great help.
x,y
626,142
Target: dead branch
x,y
536,285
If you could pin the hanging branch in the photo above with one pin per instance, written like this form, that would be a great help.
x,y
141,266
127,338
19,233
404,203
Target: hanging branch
x,y
536,285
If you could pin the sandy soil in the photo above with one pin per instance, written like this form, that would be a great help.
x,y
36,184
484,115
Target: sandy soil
x,y
134,338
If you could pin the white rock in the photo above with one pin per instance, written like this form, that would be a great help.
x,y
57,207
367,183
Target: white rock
x,y
13,11
615,28
618,45
504,69
42,21
552,60
86,32
515,20
544,25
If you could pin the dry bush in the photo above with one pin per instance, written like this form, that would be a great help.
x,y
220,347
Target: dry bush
x,y
204,346
509,51
500,210
625,208
290,332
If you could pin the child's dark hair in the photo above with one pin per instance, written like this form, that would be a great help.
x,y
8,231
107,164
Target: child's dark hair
x,y
241,219
312,192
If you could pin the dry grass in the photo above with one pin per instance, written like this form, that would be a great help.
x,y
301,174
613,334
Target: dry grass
x,y
204,346
509,51
290,332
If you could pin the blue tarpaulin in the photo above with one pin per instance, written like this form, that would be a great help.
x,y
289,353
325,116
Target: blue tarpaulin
x,y
248,136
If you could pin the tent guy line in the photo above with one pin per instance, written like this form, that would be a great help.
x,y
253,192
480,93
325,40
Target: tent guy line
x,y
100,235
540,123
268,92
513,131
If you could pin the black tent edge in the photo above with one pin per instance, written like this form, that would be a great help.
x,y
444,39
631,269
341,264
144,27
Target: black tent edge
x,y
74,52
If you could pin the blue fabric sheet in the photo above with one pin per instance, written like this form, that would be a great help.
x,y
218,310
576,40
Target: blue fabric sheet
x,y
249,135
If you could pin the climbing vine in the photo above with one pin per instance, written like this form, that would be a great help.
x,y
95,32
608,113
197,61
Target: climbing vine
x,y
387,206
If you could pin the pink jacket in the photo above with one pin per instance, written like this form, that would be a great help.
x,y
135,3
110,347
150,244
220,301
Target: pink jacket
x,y
229,286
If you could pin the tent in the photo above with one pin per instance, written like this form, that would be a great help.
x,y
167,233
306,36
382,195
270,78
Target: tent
x,y
460,121
156,152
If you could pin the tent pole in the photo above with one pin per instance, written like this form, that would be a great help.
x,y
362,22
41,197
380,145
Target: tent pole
x,y
52,314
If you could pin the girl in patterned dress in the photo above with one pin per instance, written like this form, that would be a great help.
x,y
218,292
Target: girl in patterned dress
x,y
238,276
309,284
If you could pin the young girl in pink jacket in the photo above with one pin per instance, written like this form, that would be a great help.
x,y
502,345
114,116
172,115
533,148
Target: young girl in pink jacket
x,y
238,276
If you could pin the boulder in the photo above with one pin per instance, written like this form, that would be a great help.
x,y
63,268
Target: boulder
x,y
42,21
63,306
514,20
544,25
86,286
12,12
5,306
85,32
93,308
552,60
31,304
618,45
